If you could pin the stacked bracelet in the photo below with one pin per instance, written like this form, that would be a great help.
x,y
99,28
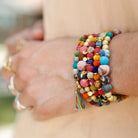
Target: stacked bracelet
x,y
91,70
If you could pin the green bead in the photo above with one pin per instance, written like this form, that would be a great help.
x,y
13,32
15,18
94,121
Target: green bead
x,y
97,100
75,65
110,34
83,39
77,53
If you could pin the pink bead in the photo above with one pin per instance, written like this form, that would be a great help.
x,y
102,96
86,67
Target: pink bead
x,y
81,65
78,47
89,68
84,48
92,44
97,50
91,82
84,83
90,55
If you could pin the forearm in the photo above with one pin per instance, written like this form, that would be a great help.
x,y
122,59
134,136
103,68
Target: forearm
x,y
124,63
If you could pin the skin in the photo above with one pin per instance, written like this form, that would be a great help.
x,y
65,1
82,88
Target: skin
x,y
43,80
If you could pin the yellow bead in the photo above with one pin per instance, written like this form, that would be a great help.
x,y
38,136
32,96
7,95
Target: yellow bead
x,y
90,93
93,88
82,43
90,36
100,38
109,94
97,84
84,72
93,97
93,39
87,89
105,42
79,86
107,38
88,40
79,43
105,47
115,98
111,99
96,57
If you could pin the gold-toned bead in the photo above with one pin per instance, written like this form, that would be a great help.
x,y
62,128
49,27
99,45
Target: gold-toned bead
x,y
84,72
77,83
84,59
115,98
86,44
87,89
105,47
90,93
79,43
88,40
82,90
107,38
79,86
93,97
90,36
84,52
111,99
100,38
97,84
82,43
109,94
105,42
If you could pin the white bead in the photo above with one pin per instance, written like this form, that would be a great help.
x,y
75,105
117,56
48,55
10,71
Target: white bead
x,y
88,40
82,90
103,34
87,89
90,49
90,36
90,93
75,71
111,99
86,44
89,75
107,38
105,47
109,94
105,42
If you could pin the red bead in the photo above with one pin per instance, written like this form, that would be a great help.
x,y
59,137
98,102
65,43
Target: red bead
x,y
90,55
92,44
96,93
101,92
113,33
97,50
95,35
96,63
89,67
91,82
86,36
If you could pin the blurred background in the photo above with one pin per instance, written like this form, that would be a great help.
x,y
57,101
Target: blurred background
x,y
15,15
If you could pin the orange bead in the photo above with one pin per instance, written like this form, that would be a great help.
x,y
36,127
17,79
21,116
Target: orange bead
x,y
82,43
85,95
96,76
93,39
79,43
96,63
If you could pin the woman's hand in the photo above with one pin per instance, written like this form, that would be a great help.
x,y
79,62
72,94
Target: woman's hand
x,y
44,77
17,41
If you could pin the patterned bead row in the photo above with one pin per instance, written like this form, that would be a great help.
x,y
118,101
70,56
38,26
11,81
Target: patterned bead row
x,y
91,69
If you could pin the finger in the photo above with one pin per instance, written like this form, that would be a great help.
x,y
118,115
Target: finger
x,y
6,74
38,33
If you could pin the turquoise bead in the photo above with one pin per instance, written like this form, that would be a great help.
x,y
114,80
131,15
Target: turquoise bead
x,y
75,71
104,60
75,65
76,59
110,34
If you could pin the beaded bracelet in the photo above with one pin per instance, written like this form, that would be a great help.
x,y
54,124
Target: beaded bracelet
x,y
91,70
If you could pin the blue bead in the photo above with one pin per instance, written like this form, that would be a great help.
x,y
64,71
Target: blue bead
x,y
107,88
104,60
76,59
90,61
102,53
81,76
107,103
99,43
75,65
95,69
110,34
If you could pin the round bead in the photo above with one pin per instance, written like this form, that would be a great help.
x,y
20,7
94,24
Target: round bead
x,y
81,65
95,69
75,71
105,79
107,88
83,38
75,65
82,74
90,55
82,90
105,42
85,95
97,50
96,76
87,89
96,63
82,43
78,47
109,34
107,38
93,97
98,43
103,34
90,61
111,99
91,82
103,70
105,52
101,92
90,49
86,44
92,44
109,94
84,83
93,88
89,75
83,49
96,57
90,36
116,31
90,93
84,59
104,60
105,47
89,68
76,59
97,84
93,39
77,53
